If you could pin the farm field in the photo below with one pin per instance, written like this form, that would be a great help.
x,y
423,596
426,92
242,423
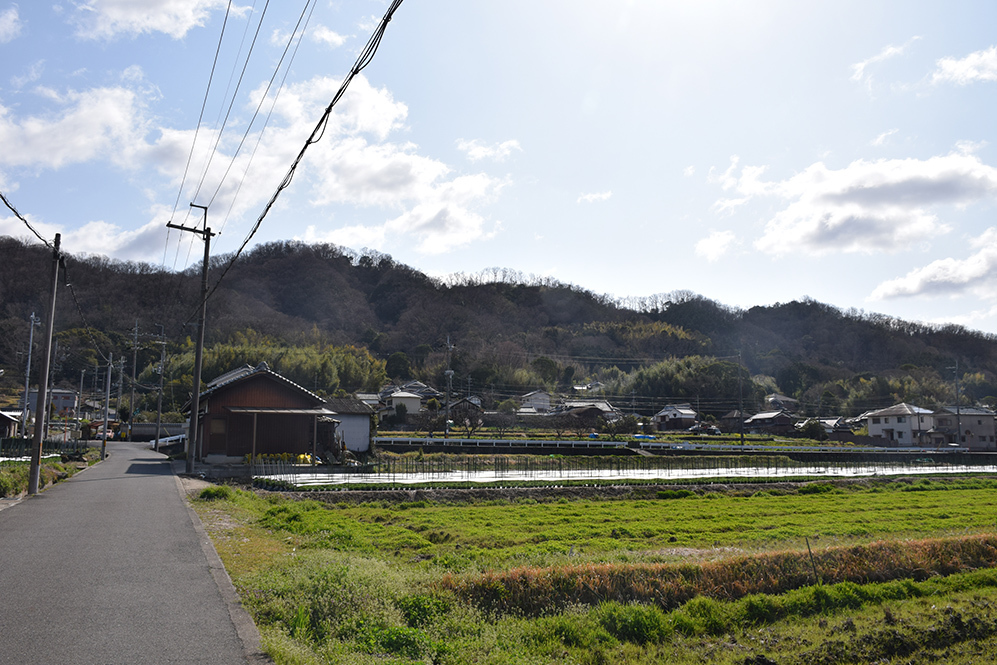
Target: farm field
x,y
826,572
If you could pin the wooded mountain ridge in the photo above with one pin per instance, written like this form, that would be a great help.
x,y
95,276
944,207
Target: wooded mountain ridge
x,y
511,333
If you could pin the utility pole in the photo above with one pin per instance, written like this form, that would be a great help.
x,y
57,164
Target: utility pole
x,y
35,321
121,388
131,399
79,400
34,470
449,375
107,405
740,398
162,370
958,412
193,434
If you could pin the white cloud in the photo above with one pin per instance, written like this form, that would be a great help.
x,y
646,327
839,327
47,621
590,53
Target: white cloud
x,y
689,171
327,36
715,245
355,163
33,74
978,66
102,122
105,19
860,71
358,236
879,206
476,150
975,275
594,197
10,24
881,139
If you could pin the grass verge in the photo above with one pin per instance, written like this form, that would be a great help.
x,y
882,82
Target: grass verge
x,y
529,582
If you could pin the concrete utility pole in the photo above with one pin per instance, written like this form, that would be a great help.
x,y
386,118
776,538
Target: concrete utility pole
x,y
79,400
449,374
162,370
35,321
958,411
194,433
107,404
34,470
131,399
740,397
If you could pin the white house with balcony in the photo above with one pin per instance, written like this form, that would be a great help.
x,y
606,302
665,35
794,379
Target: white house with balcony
x,y
901,425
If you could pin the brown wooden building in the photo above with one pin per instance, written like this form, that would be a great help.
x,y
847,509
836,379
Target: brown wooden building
x,y
257,411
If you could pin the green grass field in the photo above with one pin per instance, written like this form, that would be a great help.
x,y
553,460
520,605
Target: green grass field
x,y
901,571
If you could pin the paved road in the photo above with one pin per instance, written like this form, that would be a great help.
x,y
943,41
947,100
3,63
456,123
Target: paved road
x,y
112,567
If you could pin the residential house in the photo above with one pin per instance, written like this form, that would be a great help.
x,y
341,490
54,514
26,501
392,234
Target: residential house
x,y
777,402
675,416
732,421
832,425
466,409
63,401
411,401
413,387
355,422
968,426
373,400
538,400
9,425
901,424
254,410
587,409
770,422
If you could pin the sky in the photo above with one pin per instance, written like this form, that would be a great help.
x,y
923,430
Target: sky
x,y
749,152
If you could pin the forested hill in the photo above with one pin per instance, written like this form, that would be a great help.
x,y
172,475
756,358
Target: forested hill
x,y
510,333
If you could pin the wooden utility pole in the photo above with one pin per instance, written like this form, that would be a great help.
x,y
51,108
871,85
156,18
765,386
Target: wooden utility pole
x,y
34,470
194,433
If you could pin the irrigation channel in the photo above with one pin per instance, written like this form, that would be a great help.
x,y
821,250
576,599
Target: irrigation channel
x,y
476,470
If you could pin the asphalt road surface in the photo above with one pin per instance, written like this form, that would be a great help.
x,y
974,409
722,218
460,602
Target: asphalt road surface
x,y
112,567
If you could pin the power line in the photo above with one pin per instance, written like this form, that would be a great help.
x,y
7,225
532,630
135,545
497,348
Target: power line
x,y
291,40
366,55
204,104
26,223
228,112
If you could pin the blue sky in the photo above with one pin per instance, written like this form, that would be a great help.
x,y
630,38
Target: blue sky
x,y
750,152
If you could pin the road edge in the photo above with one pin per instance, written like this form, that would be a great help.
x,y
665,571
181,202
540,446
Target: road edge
x,y
245,628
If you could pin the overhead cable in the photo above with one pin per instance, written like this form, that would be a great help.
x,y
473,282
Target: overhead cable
x,y
18,215
366,55
228,111
298,32
204,104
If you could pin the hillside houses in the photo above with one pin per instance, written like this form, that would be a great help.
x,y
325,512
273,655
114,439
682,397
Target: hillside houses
x,y
900,425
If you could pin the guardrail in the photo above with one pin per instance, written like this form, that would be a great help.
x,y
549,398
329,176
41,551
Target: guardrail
x,y
499,443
